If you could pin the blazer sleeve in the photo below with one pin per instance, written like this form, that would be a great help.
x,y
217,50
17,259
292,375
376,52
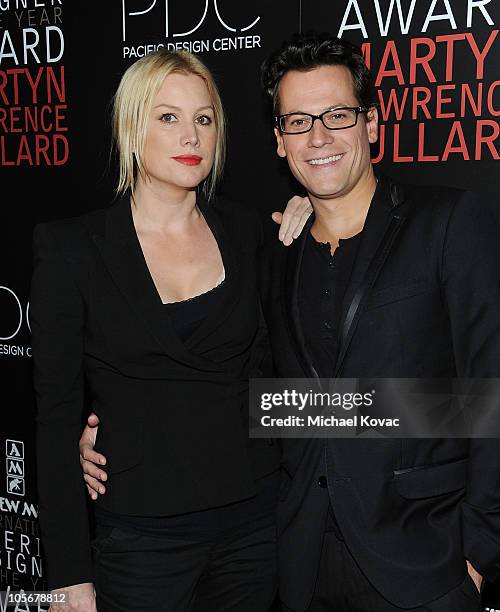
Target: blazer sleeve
x,y
57,323
471,275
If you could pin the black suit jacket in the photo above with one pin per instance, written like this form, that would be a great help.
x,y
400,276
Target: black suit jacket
x,y
423,301
173,415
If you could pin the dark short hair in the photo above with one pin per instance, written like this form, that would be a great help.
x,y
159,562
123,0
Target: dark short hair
x,y
304,52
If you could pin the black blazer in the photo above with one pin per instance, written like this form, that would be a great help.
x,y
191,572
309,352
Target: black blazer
x,y
173,415
423,301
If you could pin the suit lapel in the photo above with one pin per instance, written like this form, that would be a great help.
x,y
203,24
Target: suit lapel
x,y
232,267
123,257
383,223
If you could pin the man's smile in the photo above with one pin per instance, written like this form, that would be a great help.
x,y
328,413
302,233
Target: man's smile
x,y
321,161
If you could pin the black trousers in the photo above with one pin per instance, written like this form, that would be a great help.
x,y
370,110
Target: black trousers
x,y
342,587
232,569
216,560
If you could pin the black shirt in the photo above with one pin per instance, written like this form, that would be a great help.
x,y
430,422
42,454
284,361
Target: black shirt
x,y
323,283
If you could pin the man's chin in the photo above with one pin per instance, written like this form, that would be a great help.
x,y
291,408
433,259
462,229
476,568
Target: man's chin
x,y
328,193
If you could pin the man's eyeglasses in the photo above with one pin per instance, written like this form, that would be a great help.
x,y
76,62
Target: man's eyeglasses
x,y
332,119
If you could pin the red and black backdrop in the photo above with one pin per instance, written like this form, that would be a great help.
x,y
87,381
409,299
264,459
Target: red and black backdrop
x,y
437,69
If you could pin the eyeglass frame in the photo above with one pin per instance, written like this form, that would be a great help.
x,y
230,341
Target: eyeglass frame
x,y
357,110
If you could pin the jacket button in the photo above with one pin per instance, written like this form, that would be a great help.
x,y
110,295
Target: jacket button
x,y
322,482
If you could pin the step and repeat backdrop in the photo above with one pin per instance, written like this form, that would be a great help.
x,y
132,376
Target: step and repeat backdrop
x,y
437,70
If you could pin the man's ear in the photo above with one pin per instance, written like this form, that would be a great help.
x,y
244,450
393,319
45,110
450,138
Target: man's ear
x,y
280,149
372,124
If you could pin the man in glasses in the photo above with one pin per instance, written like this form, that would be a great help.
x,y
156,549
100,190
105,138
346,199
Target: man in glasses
x,y
386,281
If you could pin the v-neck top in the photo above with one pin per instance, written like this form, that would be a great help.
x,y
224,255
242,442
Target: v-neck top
x,y
191,360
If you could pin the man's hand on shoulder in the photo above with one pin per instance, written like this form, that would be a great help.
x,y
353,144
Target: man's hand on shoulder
x,y
475,575
293,219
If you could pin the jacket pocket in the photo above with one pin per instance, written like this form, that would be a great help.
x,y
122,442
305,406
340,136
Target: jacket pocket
x,y
430,480
395,293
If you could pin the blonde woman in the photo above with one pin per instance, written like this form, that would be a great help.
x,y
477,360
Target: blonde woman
x,y
146,311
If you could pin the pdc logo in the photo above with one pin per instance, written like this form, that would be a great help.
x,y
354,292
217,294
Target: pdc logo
x,y
234,23
14,321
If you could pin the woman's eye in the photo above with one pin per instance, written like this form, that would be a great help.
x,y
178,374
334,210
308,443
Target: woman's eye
x,y
168,118
204,120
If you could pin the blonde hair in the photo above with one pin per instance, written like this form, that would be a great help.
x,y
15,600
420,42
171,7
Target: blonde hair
x,y
132,105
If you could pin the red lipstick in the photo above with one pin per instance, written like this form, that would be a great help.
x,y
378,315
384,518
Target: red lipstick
x,y
188,160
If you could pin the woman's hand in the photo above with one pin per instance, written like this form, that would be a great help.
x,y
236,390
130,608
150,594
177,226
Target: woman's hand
x,y
79,598
293,219
89,459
